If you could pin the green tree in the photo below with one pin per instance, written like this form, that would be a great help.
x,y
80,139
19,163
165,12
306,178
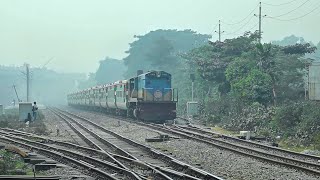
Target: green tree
x,y
161,55
110,70
212,60
145,51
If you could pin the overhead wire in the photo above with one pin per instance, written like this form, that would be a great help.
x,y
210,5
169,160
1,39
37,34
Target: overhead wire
x,y
250,29
291,10
296,18
286,3
239,22
214,28
241,27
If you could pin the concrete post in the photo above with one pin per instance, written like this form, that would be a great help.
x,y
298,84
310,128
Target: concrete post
x,y
1,109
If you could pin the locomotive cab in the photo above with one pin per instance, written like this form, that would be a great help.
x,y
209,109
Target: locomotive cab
x,y
151,97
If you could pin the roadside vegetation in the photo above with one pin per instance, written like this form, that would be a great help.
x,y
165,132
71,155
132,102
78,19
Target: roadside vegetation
x,y
239,83
12,164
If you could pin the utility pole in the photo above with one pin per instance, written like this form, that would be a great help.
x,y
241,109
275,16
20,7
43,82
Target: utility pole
x,y
260,9
192,77
219,32
260,21
28,81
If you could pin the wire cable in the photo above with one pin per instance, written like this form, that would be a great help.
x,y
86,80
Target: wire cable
x,y
296,18
212,32
279,4
239,29
291,10
232,24
249,30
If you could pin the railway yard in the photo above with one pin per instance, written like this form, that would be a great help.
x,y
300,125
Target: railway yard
x,y
160,90
94,145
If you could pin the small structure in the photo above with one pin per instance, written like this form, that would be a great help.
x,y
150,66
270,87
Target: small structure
x,y
192,109
314,81
246,135
24,109
1,109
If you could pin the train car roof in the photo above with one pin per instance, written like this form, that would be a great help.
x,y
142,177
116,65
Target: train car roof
x,y
144,74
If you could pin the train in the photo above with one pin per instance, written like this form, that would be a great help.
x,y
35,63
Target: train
x,y
147,97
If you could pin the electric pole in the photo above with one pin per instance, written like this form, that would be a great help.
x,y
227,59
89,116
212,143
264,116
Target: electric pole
x,y
192,77
260,21
219,32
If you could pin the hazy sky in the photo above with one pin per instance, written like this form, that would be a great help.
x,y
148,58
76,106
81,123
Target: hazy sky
x,y
79,33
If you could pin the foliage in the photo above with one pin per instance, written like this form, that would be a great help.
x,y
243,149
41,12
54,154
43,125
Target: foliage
x,y
10,163
161,49
299,120
288,117
110,70
316,140
262,79
289,40
212,60
299,49
256,87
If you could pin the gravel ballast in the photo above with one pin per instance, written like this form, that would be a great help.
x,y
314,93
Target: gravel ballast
x,y
222,163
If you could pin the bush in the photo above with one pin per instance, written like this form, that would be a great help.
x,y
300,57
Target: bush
x,y
287,117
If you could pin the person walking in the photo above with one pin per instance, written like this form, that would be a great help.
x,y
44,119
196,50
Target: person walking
x,y
34,110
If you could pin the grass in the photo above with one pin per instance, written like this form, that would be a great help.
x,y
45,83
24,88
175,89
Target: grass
x,y
282,144
298,149
223,131
10,162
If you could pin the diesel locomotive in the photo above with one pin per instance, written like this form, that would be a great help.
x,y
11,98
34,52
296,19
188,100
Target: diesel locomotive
x,y
147,97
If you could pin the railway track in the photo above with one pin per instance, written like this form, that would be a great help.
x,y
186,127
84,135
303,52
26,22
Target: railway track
x,y
283,158
119,160
165,166
263,147
303,165
306,163
88,165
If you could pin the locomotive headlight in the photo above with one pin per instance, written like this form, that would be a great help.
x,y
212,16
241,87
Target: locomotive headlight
x,y
158,94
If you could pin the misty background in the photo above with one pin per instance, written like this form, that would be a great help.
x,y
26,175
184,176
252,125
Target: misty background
x,y
96,42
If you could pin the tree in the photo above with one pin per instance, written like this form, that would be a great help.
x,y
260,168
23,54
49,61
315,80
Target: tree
x,y
289,40
146,50
213,59
161,55
110,70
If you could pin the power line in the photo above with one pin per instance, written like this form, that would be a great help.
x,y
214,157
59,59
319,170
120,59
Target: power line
x,y
280,4
239,22
239,29
296,18
291,10
214,28
250,29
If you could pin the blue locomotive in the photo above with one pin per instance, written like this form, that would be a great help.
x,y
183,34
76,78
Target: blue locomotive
x,y
148,97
